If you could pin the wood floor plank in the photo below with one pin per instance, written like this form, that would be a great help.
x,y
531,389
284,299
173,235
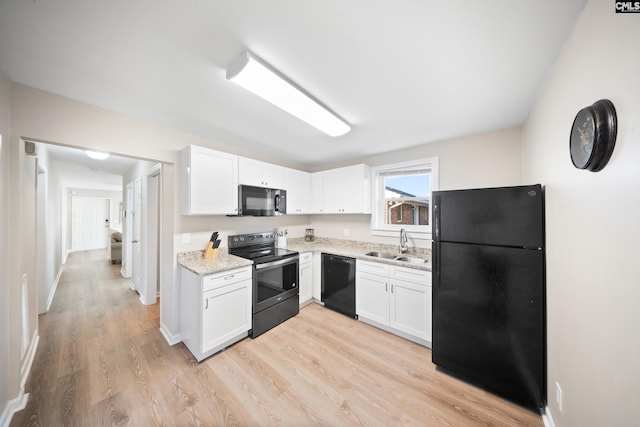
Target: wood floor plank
x,y
103,361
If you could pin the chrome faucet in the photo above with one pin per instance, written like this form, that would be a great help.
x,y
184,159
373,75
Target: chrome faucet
x,y
403,241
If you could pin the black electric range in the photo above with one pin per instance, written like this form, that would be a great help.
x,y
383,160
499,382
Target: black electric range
x,y
275,279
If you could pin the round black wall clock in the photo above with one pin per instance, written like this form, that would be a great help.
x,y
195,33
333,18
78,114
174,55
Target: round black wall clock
x,y
593,136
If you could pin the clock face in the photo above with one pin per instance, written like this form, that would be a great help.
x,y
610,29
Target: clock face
x,y
593,136
582,138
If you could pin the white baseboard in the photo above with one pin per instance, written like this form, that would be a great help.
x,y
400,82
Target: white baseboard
x,y
20,402
25,370
13,406
54,288
170,338
547,419
150,301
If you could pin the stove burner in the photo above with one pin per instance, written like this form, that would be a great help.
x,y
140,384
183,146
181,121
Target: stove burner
x,y
259,247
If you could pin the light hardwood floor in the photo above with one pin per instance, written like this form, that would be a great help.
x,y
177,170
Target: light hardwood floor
x,y
102,361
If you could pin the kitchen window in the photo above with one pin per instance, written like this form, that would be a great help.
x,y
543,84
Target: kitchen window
x,y
402,197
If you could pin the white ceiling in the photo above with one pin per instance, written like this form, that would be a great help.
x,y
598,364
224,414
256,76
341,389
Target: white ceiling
x,y
77,170
402,73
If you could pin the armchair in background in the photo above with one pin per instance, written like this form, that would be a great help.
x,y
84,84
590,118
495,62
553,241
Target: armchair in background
x,y
116,247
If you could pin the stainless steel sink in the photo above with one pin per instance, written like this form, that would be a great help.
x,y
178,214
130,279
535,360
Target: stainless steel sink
x,y
402,258
411,259
380,255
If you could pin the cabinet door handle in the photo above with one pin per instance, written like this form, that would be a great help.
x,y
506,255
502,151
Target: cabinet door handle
x,y
206,306
386,287
392,288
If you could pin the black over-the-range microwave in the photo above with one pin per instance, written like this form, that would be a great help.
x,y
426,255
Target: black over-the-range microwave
x,y
260,201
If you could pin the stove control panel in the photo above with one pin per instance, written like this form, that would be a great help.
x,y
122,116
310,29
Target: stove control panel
x,y
253,239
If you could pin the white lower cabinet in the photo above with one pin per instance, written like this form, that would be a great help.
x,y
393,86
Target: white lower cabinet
x,y
316,291
397,299
216,310
305,279
372,296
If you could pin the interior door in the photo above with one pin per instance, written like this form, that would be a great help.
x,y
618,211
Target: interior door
x,y
127,259
136,234
89,223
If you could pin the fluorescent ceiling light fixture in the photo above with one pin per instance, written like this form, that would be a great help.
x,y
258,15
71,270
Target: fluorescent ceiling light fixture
x,y
254,75
97,155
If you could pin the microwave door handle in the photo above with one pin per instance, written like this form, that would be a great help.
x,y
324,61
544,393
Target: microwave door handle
x,y
277,202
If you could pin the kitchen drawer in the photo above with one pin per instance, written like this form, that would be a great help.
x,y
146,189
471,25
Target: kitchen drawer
x,y
372,267
306,257
413,275
224,278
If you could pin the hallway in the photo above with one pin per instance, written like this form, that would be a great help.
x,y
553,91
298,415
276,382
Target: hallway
x,y
92,345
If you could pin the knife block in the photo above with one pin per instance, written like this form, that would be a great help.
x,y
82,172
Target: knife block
x,y
210,252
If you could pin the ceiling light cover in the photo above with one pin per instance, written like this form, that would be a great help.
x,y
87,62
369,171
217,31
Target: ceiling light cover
x,y
97,155
259,78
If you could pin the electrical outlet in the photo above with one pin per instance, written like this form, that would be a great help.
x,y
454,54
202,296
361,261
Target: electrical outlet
x,y
559,396
186,238
346,232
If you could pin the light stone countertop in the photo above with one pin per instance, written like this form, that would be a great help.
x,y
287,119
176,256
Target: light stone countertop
x,y
195,262
357,249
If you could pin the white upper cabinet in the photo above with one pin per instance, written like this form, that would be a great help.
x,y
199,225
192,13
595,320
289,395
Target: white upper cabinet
x,y
209,182
347,190
260,174
317,193
298,186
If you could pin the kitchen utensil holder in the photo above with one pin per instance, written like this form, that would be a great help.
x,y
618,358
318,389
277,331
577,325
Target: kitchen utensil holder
x,y
210,252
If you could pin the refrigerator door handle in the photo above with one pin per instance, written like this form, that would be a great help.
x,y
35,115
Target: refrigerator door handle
x,y
435,265
436,218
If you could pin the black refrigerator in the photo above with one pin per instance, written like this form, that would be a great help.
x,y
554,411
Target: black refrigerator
x,y
489,300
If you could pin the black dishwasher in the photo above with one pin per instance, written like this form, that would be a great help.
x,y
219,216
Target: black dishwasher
x,y
339,284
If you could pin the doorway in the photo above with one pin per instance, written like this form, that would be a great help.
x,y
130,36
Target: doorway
x,y
128,229
136,237
90,219
152,232
68,170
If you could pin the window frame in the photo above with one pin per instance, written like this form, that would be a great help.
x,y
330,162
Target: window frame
x,y
378,226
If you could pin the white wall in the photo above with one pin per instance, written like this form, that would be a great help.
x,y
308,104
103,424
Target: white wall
x,y
488,160
593,231
48,234
8,369
19,247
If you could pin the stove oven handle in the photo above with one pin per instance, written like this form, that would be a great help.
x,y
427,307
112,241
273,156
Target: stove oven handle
x,y
291,260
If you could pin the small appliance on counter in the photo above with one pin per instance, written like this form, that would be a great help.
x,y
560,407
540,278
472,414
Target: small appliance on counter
x,y
308,235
